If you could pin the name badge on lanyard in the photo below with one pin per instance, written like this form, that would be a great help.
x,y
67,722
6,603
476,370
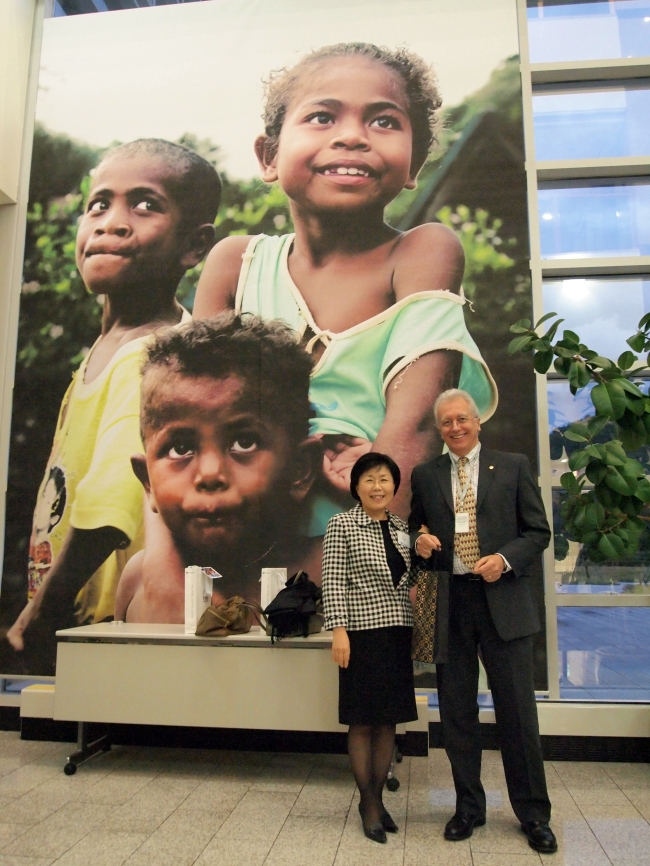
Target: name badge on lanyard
x,y
462,522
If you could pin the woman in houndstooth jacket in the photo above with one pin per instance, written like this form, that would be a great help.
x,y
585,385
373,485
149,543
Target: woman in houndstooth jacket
x,y
366,582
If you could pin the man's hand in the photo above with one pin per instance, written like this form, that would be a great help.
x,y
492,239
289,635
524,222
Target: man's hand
x,y
341,647
490,567
426,544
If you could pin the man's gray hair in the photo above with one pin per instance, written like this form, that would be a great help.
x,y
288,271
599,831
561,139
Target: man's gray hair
x,y
452,394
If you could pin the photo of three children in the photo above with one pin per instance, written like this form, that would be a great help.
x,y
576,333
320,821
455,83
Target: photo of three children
x,y
226,438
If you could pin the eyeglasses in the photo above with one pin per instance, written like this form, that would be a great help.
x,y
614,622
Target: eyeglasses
x,y
449,422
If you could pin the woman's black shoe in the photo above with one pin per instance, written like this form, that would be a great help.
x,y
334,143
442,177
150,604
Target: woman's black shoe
x,y
388,824
377,831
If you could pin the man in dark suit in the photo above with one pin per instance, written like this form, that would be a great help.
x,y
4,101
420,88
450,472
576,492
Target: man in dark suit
x,y
481,512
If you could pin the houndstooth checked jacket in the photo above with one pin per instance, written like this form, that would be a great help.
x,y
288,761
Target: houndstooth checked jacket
x,y
358,591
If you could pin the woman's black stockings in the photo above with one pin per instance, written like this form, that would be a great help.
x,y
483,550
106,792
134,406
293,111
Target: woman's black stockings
x,y
371,751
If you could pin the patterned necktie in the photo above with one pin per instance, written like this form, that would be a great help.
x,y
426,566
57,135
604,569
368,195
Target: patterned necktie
x,y
466,543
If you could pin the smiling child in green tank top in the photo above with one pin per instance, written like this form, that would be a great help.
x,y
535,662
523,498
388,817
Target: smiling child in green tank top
x,y
347,129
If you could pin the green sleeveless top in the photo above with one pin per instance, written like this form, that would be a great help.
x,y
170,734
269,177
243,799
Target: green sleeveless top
x,y
359,365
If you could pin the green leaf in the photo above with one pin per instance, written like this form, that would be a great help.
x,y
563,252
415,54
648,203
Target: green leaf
x,y
563,351
606,547
578,460
520,344
592,521
577,433
637,342
602,402
634,468
579,375
630,387
600,361
617,543
518,329
636,406
562,366
642,491
615,481
632,438
570,482
571,337
596,425
617,397
542,361
545,319
626,360
644,322
616,456
552,331
607,496
596,472
522,323
589,537
619,532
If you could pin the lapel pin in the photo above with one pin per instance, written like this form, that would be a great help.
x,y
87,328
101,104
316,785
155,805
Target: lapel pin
x,y
490,467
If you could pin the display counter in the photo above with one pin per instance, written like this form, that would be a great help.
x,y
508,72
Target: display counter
x,y
144,674
157,675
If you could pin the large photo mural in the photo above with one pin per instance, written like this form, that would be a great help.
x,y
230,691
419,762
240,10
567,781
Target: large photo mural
x,y
261,239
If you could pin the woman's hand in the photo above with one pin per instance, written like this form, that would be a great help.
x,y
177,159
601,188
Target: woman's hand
x,y
341,647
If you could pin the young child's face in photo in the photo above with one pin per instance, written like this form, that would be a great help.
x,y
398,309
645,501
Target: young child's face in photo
x,y
129,234
346,141
215,463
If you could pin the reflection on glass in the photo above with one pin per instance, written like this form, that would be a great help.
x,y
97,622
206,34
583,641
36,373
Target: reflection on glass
x,y
575,574
600,219
587,122
604,653
588,31
604,312
564,409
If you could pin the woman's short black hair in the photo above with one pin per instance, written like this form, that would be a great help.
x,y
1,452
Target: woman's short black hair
x,y
373,460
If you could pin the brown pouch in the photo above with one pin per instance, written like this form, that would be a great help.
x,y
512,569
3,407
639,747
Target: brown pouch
x,y
431,616
233,616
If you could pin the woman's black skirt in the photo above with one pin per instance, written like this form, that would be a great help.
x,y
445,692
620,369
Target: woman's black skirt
x,y
377,686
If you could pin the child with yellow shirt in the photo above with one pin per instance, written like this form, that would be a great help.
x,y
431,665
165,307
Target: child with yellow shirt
x,y
149,218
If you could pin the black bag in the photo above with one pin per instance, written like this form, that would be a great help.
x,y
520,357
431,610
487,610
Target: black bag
x,y
296,611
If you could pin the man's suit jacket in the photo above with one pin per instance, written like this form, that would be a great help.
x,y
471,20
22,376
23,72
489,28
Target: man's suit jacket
x,y
510,520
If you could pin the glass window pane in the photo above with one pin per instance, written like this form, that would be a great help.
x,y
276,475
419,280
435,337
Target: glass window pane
x,y
604,312
588,31
564,409
599,219
604,653
587,122
575,574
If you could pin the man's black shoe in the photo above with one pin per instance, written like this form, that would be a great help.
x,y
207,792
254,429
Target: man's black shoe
x,y
540,837
461,826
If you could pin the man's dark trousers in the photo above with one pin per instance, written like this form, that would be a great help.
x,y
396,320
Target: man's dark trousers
x,y
509,666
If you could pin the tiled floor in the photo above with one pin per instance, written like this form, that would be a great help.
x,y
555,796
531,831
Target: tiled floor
x,y
155,807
